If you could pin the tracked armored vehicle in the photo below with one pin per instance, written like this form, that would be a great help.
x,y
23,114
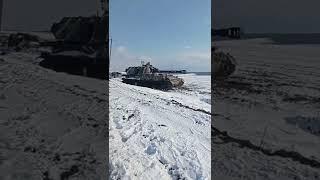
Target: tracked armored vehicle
x,y
223,64
149,76
80,46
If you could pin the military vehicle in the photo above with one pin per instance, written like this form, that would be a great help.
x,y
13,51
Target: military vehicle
x,y
223,64
81,46
20,41
148,76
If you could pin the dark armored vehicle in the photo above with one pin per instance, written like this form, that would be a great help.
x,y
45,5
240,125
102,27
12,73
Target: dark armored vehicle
x,y
223,64
149,76
80,46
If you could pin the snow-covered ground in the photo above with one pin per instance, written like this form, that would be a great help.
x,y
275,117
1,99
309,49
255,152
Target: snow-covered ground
x,y
52,125
160,135
273,101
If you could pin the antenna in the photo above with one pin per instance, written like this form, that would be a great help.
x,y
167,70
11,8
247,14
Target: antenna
x,y
97,8
103,6
1,11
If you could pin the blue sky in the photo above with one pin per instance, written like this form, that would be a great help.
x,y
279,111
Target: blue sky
x,y
173,34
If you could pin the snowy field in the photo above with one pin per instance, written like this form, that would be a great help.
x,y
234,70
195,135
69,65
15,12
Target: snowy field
x,y
266,121
270,109
53,125
160,135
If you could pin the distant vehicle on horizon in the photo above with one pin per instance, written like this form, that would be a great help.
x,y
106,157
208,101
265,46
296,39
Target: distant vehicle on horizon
x,y
232,32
